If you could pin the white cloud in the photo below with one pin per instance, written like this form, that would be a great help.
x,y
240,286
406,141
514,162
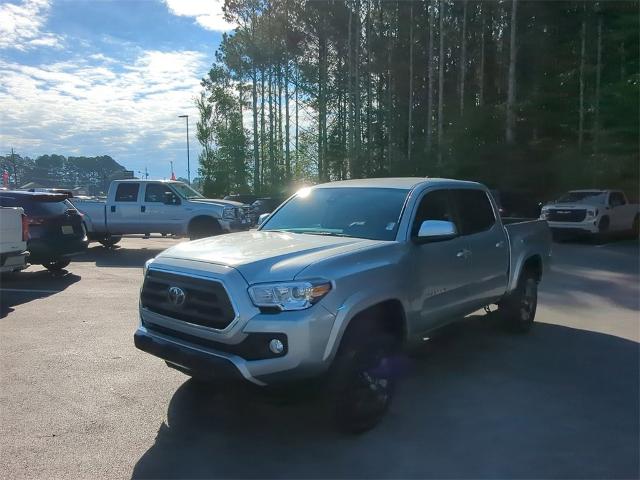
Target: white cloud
x,y
102,106
21,25
207,13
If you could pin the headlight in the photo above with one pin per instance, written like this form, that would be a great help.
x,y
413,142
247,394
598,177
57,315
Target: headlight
x,y
146,267
229,213
289,295
592,213
544,213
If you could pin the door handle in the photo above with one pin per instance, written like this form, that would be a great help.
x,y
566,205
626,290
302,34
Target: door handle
x,y
463,253
500,244
143,208
113,208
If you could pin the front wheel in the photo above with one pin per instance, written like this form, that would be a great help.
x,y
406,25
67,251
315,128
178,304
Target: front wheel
x,y
203,227
110,241
518,310
56,265
362,383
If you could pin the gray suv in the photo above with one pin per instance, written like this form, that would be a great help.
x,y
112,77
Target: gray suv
x,y
335,282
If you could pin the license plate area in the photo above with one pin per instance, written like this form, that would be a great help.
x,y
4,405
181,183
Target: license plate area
x,y
67,230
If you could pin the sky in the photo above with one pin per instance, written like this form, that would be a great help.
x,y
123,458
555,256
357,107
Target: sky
x,y
106,77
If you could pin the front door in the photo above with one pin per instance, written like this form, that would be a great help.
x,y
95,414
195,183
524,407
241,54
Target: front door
x,y
438,269
160,211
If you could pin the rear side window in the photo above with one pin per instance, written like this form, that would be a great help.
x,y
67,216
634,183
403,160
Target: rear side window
x,y
127,192
34,206
474,211
433,206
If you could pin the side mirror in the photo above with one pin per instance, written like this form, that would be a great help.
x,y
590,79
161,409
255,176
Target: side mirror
x,y
436,231
262,218
171,199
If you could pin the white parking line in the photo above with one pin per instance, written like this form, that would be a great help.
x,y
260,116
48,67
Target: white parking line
x,y
24,290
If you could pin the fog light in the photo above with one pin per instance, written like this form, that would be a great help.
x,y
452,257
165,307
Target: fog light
x,y
276,346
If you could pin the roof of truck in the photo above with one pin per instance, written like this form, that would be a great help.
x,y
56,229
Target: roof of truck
x,y
404,183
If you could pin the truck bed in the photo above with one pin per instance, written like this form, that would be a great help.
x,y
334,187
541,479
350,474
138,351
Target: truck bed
x,y
94,212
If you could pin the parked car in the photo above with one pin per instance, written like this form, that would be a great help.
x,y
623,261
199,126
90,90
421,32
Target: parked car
x,y
516,204
265,205
156,206
244,198
592,212
14,231
336,281
56,231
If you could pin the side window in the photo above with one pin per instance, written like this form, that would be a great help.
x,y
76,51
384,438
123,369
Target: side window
x,y
156,192
474,211
127,192
616,199
433,206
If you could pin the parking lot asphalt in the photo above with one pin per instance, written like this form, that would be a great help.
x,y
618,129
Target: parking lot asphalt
x,y
77,400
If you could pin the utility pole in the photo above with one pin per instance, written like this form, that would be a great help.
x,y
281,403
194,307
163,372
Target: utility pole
x,y
188,166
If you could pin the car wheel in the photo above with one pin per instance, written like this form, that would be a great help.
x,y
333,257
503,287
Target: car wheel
x,y
635,228
518,310
56,265
204,227
361,384
603,230
110,241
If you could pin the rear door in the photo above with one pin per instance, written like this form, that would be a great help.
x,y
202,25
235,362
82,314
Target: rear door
x,y
160,210
123,211
438,270
486,240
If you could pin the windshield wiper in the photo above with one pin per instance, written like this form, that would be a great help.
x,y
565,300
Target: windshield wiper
x,y
324,233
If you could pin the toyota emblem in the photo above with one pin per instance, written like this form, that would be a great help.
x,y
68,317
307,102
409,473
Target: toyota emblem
x,y
176,296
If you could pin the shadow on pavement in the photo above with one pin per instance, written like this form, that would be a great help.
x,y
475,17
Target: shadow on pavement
x,y
25,286
478,403
118,256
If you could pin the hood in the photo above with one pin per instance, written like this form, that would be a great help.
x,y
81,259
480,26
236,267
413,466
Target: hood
x,y
216,201
573,205
266,256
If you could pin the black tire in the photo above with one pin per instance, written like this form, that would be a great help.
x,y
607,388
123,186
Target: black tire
x,y
56,265
203,227
110,241
361,383
635,228
518,310
603,230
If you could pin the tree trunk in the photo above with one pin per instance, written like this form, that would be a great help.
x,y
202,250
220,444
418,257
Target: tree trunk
x,y
410,112
482,59
429,127
272,156
623,59
511,84
357,132
322,107
262,128
369,100
254,104
350,116
440,81
297,156
463,55
583,39
596,121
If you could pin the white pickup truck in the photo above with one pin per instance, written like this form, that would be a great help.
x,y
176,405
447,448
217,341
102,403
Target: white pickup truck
x,y
158,206
13,239
595,212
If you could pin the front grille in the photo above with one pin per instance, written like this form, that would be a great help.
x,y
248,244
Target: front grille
x,y
561,215
205,303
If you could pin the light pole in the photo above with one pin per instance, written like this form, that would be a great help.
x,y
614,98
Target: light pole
x,y
188,166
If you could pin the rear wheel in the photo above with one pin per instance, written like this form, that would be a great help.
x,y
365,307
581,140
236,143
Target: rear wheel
x,y
362,384
518,310
203,227
56,265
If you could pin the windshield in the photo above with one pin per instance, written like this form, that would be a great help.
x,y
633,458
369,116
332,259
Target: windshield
x,y
371,213
583,197
185,191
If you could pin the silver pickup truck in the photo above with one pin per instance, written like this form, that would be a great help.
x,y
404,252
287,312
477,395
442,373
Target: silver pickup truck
x,y
159,206
335,282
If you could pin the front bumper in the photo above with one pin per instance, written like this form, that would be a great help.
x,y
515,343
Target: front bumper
x,y
587,226
193,349
239,225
